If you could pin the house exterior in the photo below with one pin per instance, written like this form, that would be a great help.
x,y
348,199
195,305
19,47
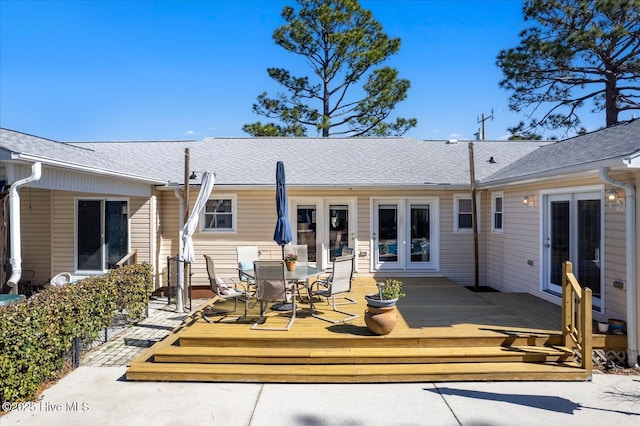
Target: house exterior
x,y
404,205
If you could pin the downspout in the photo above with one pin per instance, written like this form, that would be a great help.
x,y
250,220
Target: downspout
x,y
180,263
632,309
14,226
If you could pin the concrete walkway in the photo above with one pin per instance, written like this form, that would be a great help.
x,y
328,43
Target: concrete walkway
x,y
97,393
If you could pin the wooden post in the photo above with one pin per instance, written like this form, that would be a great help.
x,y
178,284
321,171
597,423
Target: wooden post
x,y
587,330
181,262
567,295
474,218
186,184
187,173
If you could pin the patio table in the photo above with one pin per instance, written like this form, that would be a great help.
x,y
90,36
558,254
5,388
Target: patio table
x,y
300,273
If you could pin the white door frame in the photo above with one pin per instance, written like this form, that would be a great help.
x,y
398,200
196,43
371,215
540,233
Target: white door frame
x,y
322,205
403,205
572,195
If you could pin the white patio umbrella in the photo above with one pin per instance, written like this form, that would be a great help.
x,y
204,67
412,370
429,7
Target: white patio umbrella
x,y
206,186
188,252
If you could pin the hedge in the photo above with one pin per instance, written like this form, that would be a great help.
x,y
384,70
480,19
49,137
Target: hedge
x,y
37,334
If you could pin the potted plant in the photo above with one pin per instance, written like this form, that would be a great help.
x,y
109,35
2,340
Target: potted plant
x,y
380,315
388,294
290,260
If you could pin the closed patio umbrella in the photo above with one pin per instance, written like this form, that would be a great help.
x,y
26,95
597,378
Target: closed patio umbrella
x,y
282,233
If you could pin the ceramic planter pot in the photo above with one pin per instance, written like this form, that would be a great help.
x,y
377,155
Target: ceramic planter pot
x,y
380,320
291,266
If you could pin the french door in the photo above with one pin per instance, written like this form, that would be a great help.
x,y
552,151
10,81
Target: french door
x,y
102,234
325,226
404,234
572,230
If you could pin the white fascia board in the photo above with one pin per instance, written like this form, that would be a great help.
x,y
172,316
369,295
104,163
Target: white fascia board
x,y
632,161
327,187
86,169
581,170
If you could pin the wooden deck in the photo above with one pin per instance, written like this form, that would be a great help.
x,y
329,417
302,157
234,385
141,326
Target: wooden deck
x,y
445,332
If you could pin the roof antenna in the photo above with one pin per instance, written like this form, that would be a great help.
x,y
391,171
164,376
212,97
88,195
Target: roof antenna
x,y
482,120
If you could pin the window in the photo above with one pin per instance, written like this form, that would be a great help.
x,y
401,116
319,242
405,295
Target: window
x,y
463,214
497,211
219,215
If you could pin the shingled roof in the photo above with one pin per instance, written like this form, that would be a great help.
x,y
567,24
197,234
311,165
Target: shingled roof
x,y
361,162
603,148
352,162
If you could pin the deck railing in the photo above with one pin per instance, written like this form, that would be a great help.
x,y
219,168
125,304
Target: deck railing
x,y
130,258
576,316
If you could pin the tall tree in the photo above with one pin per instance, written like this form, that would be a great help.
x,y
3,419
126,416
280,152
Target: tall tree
x,y
577,51
341,43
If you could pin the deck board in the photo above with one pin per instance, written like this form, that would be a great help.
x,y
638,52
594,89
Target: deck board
x,y
444,332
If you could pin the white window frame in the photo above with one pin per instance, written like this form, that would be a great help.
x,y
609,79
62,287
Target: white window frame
x,y
494,197
234,216
103,200
456,210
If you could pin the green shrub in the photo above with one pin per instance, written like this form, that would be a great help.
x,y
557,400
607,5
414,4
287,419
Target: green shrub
x,y
37,334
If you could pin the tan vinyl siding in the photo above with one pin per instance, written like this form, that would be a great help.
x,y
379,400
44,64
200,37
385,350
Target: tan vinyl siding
x,y
615,261
63,228
140,225
456,248
256,216
615,254
35,218
63,232
520,242
509,251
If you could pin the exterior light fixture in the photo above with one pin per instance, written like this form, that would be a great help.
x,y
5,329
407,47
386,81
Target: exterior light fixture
x,y
614,201
527,202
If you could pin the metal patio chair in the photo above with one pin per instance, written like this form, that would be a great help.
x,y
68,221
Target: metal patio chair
x,y
225,290
272,286
339,283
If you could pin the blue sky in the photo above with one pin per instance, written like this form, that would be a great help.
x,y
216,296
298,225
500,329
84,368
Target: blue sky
x,y
166,70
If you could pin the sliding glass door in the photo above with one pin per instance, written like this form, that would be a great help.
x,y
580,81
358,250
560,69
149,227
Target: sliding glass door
x,y
102,234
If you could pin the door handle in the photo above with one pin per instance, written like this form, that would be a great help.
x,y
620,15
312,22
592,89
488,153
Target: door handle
x,y
547,245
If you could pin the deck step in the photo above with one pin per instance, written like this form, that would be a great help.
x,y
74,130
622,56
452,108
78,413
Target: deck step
x,y
358,355
259,340
362,373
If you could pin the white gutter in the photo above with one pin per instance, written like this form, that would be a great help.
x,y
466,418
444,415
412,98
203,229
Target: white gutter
x,y
87,169
632,308
180,263
14,226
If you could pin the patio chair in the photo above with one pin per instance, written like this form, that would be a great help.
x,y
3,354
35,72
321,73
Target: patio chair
x,y
246,255
271,286
346,251
63,278
225,290
303,260
339,283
